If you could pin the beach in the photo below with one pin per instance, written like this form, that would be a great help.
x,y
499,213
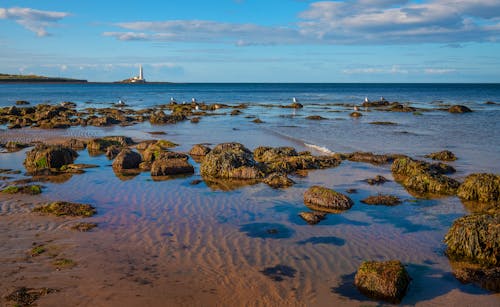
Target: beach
x,y
189,241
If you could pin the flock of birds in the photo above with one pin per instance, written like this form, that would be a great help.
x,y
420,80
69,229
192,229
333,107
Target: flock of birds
x,y
294,100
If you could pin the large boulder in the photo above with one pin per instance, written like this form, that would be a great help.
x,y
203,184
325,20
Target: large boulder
x,y
199,150
475,238
171,163
44,157
444,155
127,159
326,200
387,280
481,187
230,161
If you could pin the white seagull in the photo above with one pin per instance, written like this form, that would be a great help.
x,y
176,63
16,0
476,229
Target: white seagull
x,y
294,100
120,102
367,100
356,108
193,99
172,99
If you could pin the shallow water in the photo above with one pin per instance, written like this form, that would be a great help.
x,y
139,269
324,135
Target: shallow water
x,y
248,245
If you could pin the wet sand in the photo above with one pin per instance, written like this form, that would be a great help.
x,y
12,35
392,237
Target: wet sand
x,y
170,243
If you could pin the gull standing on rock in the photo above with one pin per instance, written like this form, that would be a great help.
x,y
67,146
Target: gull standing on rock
x,y
294,100
172,99
367,100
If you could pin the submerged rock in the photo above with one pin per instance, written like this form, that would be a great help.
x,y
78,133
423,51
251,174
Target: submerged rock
x,y
377,180
387,280
230,160
76,144
63,208
46,157
315,117
369,157
26,189
312,217
444,155
459,109
475,238
481,187
127,159
356,114
487,278
385,200
326,200
278,180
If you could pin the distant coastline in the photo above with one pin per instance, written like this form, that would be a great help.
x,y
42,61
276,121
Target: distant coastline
x,y
6,78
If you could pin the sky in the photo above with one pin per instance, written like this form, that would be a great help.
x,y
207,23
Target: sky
x,y
254,40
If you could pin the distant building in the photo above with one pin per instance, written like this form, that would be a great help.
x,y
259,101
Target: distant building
x,y
136,79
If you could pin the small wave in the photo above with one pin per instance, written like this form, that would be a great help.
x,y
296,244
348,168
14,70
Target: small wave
x,y
320,148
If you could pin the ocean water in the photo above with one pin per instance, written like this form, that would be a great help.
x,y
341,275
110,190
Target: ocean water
x,y
213,241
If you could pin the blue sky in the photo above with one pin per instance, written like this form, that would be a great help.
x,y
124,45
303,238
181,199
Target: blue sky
x,y
254,40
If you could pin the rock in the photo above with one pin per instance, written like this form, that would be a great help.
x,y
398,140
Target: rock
x,y
23,296
444,155
145,144
387,280
230,160
127,159
195,119
278,180
294,105
235,112
380,103
424,177
487,278
15,146
475,238
26,189
76,144
377,180
174,165
102,121
356,114
44,157
22,102
313,217
63,208
398,107
326,200
386,200
459,109
481,187
315,117
100,145
257,121
84,226
160,117
199,150
112,151
369,157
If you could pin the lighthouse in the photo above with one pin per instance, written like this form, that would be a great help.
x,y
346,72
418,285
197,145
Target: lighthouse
x,y
141,76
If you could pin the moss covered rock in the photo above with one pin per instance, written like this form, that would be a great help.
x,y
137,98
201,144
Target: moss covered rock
x,y
312,217
326,200
199,150
487,278
385,200
230,160
481,187
63,208
26,189
369,157
44,157
278,180
459,109
444,155
475,238
387,280
171,164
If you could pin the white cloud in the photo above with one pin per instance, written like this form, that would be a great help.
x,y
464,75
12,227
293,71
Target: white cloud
x,y
36,21
395,69
340,22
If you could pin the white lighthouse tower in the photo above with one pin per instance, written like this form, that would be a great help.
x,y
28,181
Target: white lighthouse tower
x,y
141,76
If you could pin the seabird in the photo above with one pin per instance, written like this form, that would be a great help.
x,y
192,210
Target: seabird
x,y
172,99
294,100
356,108
193,99
196,107
382,98
120,102
367,100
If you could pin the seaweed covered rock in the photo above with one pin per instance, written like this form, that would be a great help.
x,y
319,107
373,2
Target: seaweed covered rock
x,y
487,278
356,114
287,160
387,280
171,163
76,144
444,155
315,117
459,109
326,200
379,179
475,238
63,208
154,150
385,200
127,159
312,217
481,187
25,189
423,177
278,180
199,150
160,117
230,160
44,157
369,157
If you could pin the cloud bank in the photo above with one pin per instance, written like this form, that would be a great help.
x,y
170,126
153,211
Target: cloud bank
x,y
340,22
34,20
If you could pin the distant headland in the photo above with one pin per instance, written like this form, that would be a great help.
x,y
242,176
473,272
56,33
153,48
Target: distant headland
x,y
6,78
